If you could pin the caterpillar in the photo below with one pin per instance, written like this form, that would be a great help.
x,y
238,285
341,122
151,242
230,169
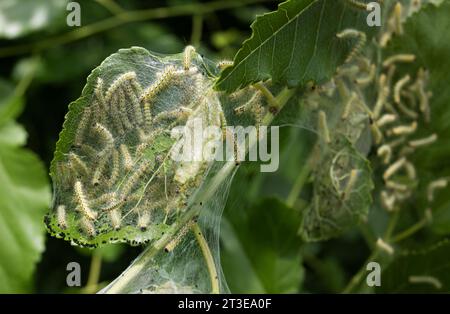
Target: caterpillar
x,y
348,105
100,167
89,150
82,201
105,134
392,169
404,129
181,113
115,169
187,56
77,164
130,91
388,201
406,58
164,78
133,179
385,151
123,110
398,27
84,121
144,220
410,170
88,227
147,113
406,111
350,184
323,126
396,186
386,119
126,157
98,92
352,33
398,87
115,114
115,217
385,246
434,185
376,133
174,242
61,216
383,92
426,279
224,64
118,83
423,141
104,198
364,81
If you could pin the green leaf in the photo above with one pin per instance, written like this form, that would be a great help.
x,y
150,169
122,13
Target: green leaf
x,y
419,271
295,44
24,197
11,104
426,35
21,17
261,249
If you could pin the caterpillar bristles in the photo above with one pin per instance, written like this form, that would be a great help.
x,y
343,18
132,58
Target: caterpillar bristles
x,y
98,92
105,135
115,114
134,97
61,216
323,127
165,77
187,56
123,110
84,121
77,164
348,105
133,179
224,64
88,227
424,141
407,58
115,217
181,113
118,83
99,169
398,87
115,169
147,114
144,220
352,33
433,186
394,168
82,201
172,244
126,157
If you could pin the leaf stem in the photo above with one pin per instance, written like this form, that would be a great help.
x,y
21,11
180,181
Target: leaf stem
x,y
208,258
94,273
124,18
197,28
410,231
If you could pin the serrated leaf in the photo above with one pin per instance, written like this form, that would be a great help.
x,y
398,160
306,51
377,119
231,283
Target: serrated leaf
x,y
21,17
418,272
24,197
295,44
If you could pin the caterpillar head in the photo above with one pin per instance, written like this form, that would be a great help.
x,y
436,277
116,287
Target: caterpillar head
x,y
113,176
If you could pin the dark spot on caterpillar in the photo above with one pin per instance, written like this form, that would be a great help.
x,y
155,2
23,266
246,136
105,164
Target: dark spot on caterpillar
x,y
166,250
201,203
143,229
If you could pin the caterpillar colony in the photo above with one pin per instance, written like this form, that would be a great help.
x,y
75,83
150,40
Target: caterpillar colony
x,y
114,180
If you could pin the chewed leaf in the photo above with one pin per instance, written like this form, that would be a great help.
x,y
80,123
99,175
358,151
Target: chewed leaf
x,y
342,191
113,175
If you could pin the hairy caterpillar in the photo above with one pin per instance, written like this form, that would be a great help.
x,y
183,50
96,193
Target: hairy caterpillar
x,y
172,244
115,217
385,151
404,129
350,183
165,77
224,64
398,18
426,279
61,216
144,220
360,36
99,169
77,164
410,170
147,114
383,93
105,134
82,126
397,186
115,168
132,180
126,157
88,226
118,83
364,81
187,56
388,200
82,201
123,110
